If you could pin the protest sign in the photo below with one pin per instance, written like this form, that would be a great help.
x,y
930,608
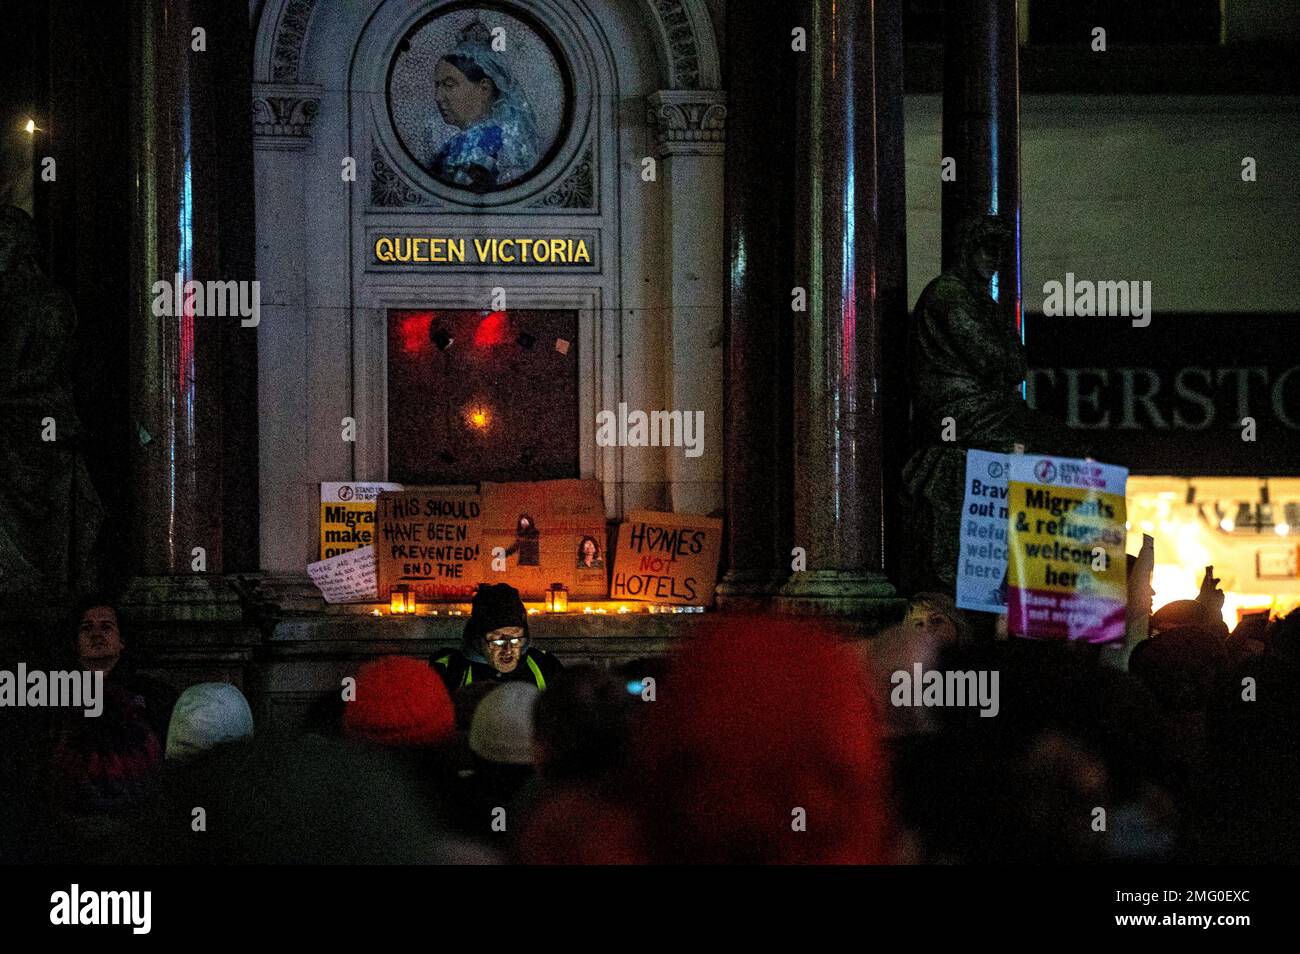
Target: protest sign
x,y
1066,566
346,578
347,515
982,543
430,540
544,532
667,558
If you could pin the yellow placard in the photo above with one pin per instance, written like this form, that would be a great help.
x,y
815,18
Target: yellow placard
x,y
347,515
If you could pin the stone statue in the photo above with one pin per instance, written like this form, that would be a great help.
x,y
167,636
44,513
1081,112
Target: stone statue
x,y
966,362
50,513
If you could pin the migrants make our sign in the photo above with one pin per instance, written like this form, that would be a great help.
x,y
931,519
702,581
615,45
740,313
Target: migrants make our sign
x,y
982,549
1066,562
347,515
667,558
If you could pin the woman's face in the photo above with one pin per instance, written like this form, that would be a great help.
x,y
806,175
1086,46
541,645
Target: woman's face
x,y
461,102
930,620
99,642
524,524
588,551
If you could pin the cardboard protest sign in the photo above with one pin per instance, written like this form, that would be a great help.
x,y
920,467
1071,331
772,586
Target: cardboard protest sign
x,y
667,558
982,544
346,578
1066,567
544,532
429,539
347,515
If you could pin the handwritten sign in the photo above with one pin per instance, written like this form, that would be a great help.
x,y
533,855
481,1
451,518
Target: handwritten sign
x,y
430,540
1066,565
667,558
346,578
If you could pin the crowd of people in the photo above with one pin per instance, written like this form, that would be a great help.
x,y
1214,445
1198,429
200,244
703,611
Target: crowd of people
x,y
762,740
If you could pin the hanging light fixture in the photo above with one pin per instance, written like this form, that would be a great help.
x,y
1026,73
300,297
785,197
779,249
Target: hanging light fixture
x,y
1225,523
1263,509
1291,522
1245,515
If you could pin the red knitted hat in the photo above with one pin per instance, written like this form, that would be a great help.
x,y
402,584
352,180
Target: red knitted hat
x,y
401,702
764,747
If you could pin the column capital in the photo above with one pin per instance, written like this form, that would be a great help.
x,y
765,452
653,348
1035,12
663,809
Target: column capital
x,y
284,112
687,122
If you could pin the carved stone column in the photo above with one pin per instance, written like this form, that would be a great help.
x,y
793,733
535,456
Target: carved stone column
x,y
981,129
688,131
187,224
759,219
891,271
175,358
282,117
839,439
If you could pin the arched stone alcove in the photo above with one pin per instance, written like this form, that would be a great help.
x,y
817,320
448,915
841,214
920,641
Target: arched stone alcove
x,y
644,85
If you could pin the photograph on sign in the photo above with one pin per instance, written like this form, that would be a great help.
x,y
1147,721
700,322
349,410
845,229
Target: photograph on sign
x,y
535,534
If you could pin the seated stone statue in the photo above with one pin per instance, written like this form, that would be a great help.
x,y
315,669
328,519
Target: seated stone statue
x,y
49,511
966,362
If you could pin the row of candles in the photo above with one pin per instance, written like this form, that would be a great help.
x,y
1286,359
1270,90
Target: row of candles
x,y
402,602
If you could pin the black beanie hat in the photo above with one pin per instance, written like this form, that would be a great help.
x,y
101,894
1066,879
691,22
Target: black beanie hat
x,y
495,605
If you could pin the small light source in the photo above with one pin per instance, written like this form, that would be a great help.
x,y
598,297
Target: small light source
x,y
1281,529
30,127
557,598
401,601
479,418
1245,515
624,609
1227,525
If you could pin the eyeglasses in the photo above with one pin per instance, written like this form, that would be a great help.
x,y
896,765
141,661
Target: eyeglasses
x,y
514,641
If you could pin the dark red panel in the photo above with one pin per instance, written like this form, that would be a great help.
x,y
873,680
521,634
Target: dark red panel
x,y
480,395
